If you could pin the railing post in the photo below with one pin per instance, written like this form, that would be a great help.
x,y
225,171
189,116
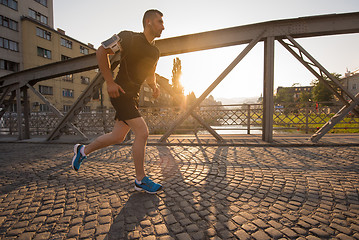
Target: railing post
x,y
10,123
307,112
248,119
37,122
26,114
19,114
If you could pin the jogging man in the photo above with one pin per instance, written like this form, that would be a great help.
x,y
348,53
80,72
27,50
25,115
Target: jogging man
x,y
139,58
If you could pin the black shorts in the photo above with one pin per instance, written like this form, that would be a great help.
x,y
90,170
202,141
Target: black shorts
x,y
126,107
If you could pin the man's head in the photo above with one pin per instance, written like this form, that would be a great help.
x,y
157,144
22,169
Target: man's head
x,y
152,21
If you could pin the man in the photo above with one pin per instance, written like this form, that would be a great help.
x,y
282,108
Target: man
x,y
139,59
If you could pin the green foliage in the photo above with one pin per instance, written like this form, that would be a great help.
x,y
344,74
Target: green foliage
x,y
305,97
321,93
284,94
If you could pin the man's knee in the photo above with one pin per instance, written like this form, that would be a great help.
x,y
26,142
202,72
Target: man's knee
x,y
143,134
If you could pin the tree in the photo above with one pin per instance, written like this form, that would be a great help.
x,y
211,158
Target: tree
x,y
322,93
284,95
305,96
176,75
191,98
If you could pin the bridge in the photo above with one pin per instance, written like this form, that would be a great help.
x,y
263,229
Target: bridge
x,y
286,32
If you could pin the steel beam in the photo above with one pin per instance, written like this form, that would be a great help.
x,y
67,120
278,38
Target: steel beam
x,y
185,115
48,71
55,110
313,26
4,94
193,114
268,87
6,105
84,98
322,71
344,111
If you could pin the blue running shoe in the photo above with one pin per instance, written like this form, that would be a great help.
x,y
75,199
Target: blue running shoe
x,y
78,157
148,186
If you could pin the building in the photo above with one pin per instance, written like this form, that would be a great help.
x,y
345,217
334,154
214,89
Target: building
x,y
28,39
45,45
11,44
295,91
351,82
164,100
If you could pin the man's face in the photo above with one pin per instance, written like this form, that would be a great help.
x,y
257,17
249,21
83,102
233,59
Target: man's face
x,y
156,25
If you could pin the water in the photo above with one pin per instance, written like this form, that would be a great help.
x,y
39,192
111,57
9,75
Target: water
x,y
241,129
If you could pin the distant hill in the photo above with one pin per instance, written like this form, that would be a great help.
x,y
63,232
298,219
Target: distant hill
x,y
238,100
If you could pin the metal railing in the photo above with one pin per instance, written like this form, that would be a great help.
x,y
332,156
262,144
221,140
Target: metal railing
x,y
241,118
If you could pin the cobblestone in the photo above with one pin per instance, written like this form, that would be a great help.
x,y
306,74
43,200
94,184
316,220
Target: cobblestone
x,y
209,192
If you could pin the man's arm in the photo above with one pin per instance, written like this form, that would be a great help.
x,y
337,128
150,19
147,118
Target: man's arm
x,y
151,81
102,56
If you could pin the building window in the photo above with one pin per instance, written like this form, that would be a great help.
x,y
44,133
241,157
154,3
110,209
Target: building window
x,y
9,3
63,57
68,93
84,50
354,87
38,16
9,66
44,108
42,2
42,52
9,23
68,78
8,44
46,90
66,43
85,80
43,34
67,108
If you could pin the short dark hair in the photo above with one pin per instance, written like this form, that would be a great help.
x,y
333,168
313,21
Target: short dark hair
x,y
149,14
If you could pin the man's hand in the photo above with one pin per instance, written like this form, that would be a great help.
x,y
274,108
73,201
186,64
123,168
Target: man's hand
x,y
113,90
156,92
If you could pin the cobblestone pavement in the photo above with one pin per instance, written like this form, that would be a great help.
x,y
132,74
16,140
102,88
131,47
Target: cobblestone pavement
x,y
210,192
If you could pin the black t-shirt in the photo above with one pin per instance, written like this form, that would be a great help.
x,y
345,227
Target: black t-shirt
x,y
138,61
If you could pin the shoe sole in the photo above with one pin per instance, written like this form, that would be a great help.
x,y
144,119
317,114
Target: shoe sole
x,y
141,189
73,159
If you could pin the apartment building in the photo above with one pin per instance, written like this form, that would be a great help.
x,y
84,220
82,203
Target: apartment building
x,y
43,45
28,39
11,12
351,82
295,91
164,100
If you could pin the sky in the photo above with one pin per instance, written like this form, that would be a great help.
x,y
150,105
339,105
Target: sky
x,y
94,21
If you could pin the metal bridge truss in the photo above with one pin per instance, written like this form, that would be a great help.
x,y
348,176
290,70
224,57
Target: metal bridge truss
x,y
284,31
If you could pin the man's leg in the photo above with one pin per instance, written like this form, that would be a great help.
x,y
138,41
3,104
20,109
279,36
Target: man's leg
x,y
117,135
140,130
